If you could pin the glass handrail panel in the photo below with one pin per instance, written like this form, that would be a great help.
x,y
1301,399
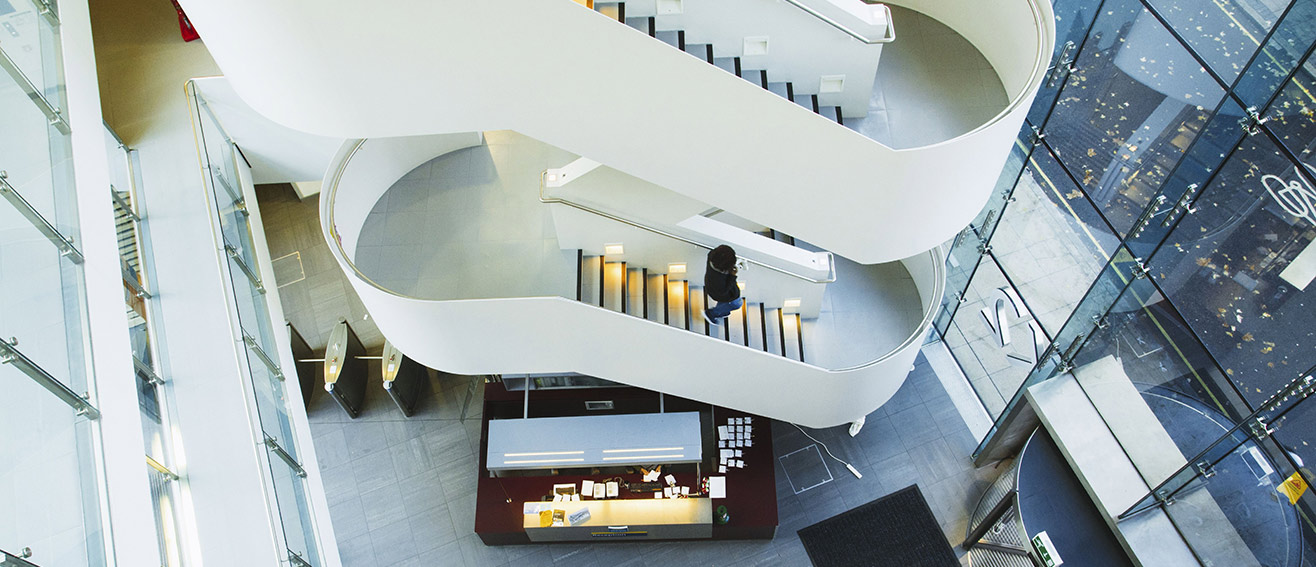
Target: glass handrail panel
x,y
271,404
294,510
48,479
41,298
253,314
32,42
153,418
36,159
165,509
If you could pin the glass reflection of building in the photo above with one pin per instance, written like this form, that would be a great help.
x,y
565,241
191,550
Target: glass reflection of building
x,y
1159,210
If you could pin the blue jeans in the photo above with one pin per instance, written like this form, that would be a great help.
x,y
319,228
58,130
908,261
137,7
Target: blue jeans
x,y
724,309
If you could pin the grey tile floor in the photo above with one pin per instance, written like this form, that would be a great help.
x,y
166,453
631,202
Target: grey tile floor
x,y
401,491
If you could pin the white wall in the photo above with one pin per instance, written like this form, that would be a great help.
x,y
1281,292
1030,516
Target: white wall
x,y
553,334
555,71
277,154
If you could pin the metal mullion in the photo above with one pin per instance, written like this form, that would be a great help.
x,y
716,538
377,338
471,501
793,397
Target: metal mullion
x,y
65,245
264,358
47,11
53,114
238,201
11,355
171,475
242,265
273,445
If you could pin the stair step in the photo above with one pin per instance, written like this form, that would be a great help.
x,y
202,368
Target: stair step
x,y
699,50
753,315
591,280
636,281
670,37
654,297
609,9
614,285
803,100
790,325
734,330
697,323
772,330
639,23
778,89
832,112
727,64
676,304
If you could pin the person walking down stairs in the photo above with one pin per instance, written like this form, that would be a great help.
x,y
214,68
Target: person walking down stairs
x,y
720,284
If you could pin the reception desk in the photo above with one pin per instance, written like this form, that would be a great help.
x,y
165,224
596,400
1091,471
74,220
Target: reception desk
x,y
750,491
667,518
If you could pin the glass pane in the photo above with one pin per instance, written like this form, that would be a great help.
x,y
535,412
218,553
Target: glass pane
x,y
36,158
993,337
253,315
1295,434
1224,33
32,42
1128,114
1073,19
293,510
271,404
1226,268
1277,59
153,432
47,482
1293,119
138,330
40,297
162,497
1051,241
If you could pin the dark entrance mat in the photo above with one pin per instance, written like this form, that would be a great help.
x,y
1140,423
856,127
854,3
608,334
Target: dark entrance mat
x,y
897,530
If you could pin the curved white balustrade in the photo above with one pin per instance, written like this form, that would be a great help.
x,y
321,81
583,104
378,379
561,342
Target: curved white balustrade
x,y
560,73
554,334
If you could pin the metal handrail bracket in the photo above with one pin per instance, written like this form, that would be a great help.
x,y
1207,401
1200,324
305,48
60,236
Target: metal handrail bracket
x,y
52,113
888,37
171,475
251,275
47,11
51,233
264,358
9,354
273,445
831,258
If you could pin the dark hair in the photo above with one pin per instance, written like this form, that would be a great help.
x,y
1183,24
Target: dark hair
x,y
723,258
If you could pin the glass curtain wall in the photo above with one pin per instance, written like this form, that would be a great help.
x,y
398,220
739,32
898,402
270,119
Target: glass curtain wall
x,y
1154,226
141,306
49,479
255,333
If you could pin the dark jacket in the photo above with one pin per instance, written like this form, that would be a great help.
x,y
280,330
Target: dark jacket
x,y
720,287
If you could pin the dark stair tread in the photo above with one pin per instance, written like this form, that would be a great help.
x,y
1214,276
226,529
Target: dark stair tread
x,y
763,78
